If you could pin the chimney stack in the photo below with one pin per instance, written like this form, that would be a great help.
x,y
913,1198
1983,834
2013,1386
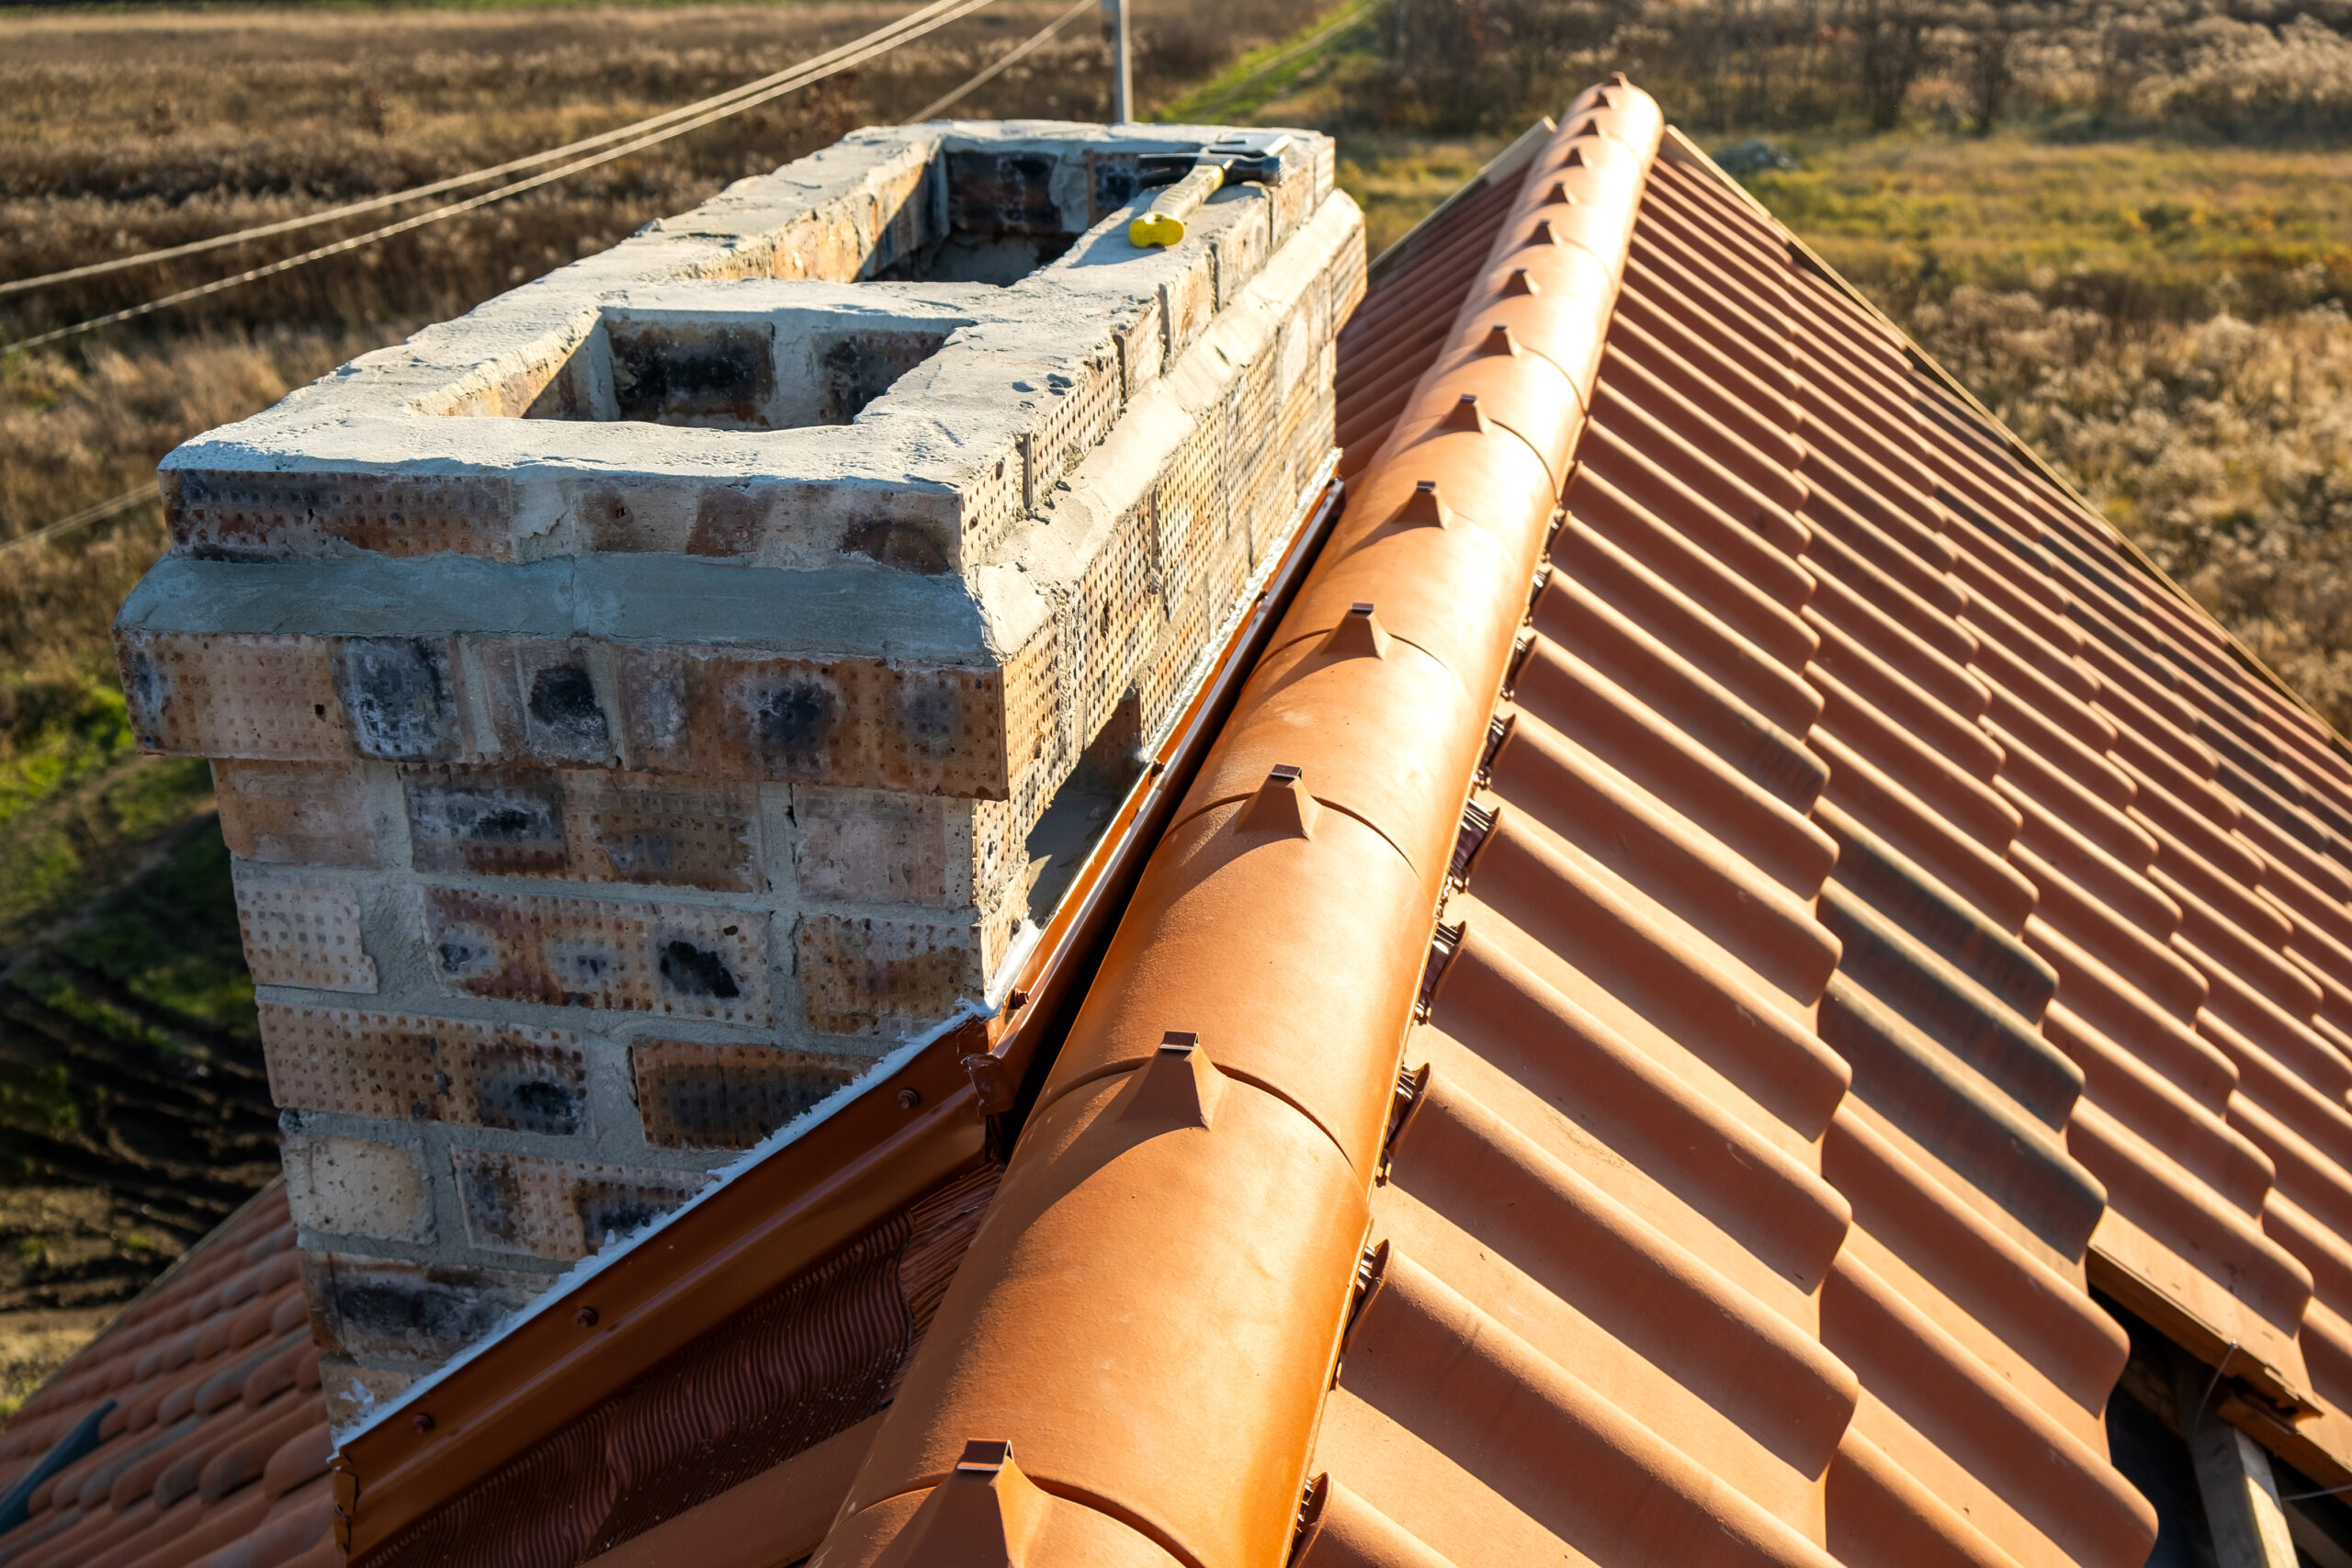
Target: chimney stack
x,y
641,704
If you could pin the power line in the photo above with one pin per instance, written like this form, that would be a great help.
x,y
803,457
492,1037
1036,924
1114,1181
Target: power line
x,y
991,73
84,518
130,499
934,17
913,21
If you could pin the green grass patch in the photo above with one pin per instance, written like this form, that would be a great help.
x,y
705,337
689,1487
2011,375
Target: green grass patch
x,y
77,799
2151,226
61,730
168,941
1237,94
1397,180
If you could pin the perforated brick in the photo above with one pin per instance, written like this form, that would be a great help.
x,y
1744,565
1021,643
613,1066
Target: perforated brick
x,y
560,1209
596,826
861,975
649,829
389,1310
695,1095
357,1186
295,813
884,846
1082,399
302,930
1038,685
681,960
269,698
402,1066
719,714
995,498
283,516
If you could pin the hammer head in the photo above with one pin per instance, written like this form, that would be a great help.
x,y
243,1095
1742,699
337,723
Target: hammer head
x,y
1253,160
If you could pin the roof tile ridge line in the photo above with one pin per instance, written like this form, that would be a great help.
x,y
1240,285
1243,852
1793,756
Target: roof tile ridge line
x,y
1129,1064
1078,1496
972,1381
1927,365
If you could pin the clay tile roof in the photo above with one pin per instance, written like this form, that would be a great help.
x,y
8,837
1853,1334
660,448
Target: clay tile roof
x,y
1728,904
191,1434
1876,909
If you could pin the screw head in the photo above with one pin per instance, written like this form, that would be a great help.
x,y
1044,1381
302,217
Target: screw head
x,y
587,1316
910,1097
424,1420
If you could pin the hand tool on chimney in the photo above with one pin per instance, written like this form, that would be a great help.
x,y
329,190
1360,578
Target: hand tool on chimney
x,y
1192,177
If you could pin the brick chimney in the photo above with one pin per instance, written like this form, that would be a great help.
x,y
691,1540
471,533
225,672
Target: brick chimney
x,y
643,703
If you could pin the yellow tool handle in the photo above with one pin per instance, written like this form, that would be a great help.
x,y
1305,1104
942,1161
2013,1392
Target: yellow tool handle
x,y
1164,224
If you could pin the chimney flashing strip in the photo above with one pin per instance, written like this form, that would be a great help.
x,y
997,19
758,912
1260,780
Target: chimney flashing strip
x,y
535,1370
1338,925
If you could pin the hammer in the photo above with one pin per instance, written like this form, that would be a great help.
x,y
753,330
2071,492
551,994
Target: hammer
x,y
1192,177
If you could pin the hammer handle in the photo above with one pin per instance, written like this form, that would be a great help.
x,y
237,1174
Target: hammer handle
x,y
1164,223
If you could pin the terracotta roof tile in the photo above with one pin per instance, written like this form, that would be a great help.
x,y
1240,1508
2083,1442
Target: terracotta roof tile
x,y
202,1434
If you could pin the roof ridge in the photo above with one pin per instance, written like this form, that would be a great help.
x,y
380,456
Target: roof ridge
x,y
1097,1303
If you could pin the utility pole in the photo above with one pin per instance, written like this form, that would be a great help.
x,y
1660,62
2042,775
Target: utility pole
x,y
1122,80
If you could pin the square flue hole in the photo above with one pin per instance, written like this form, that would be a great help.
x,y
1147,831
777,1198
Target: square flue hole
x,y
743,373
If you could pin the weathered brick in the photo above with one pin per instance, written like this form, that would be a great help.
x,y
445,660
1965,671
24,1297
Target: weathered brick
x,y
665,832
1242,245
1187,305
295,813
400,697
401,1067
591,824
1079,402
663,958
357,1186
225,695
696,1095
352,1391
560,1209
543,702
506,821
279,515
886,847
861,975
845,721
392,1310
302,930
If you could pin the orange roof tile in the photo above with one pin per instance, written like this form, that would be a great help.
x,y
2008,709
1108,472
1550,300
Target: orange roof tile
x,y
191,1434
1730,901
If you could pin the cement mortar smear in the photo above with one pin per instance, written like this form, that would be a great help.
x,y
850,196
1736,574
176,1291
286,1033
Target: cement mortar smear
x,y
629,700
